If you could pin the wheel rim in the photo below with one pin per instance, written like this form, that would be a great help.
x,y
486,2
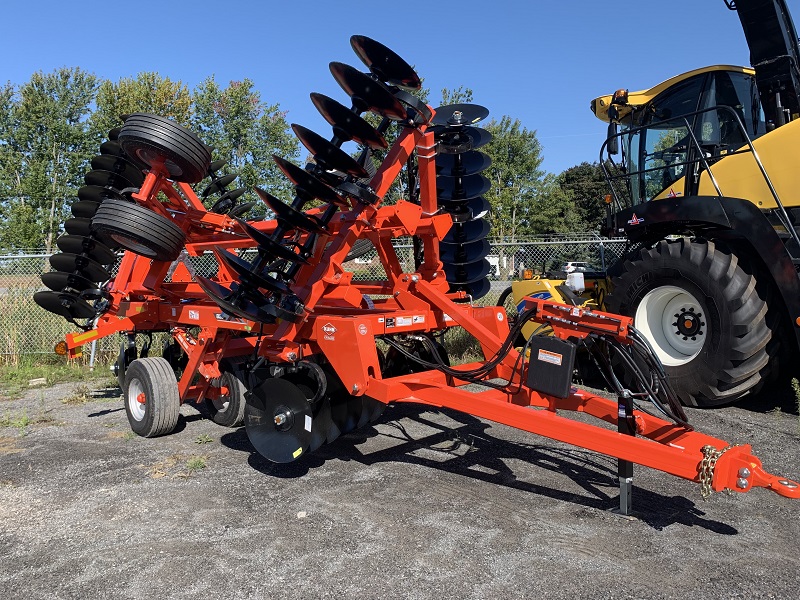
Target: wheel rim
x,y
136,408
674,323
222,401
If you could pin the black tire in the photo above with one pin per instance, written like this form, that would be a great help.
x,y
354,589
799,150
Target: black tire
x,y
150,140
139,230
152,402
715,350
228,410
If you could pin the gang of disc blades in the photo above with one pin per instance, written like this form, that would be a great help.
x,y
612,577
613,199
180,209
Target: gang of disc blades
x,y
240,209
460,114
462,254
327,153
58,281
457,140
306,182
84,208
78,226
344,413
86,267
111,148
321,424
218,185
289,215
119,165
78,244
461,188
470,231
476,289
368,94
384,63
105,178
460,165
346,124
249,277
227,199
270,246
275,399
64,304
463,274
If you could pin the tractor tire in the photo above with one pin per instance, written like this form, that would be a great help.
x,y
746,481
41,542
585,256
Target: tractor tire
x,y
152,402
228,410
700,309
139,230
151,140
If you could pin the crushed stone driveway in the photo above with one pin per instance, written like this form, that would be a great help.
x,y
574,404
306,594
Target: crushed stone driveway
x,y
423,504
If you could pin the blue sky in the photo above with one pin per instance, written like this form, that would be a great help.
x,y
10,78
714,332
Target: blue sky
x,y
540,62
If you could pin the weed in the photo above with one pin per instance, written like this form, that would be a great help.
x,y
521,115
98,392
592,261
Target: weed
x,y
203,439
81,394
129,435
195,463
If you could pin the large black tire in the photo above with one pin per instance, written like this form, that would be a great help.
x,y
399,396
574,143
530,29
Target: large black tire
x,y
151,140
228,410
139,230
700,308
152,402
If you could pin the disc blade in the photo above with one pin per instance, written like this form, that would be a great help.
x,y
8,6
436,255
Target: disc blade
x,y
367,93
343,413
461,188
476,289
289,215
119,165
470,231
84,266
459,165
347,125
457,140
218,185
217,165
460,114
77,244
241,307
306,182
96,193
327,154
58,281
384,63
462,254
107,178
78,226
84,208
270,246
226,201
273,400
249,277
64,304
463,274
320,425
240,209
111,148
374,408
114,134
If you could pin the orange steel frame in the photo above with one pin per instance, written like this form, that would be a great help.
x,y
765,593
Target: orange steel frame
x,y
338,326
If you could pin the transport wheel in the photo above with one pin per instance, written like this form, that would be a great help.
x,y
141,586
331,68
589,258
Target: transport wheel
x,y
150,140
228,409
151,397
700,309
139,230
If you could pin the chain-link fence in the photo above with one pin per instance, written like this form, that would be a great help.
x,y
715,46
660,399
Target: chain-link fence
x,y
25,328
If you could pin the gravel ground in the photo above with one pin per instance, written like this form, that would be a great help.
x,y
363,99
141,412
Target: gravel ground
x,y
422,505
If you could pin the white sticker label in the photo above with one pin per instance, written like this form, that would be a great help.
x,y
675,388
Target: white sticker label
x,y
403,321
308,423
380,319
362,329
550,357
447,317
418,318
194,315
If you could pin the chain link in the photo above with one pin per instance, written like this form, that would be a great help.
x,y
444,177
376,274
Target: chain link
x,y
710,457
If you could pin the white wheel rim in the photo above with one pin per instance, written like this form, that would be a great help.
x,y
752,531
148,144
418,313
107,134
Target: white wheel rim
x,y
136,408
674,323
221,402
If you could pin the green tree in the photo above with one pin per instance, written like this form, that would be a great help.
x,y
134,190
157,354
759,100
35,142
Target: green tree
x,y
461,95
245,132
148,92
47,143
587,186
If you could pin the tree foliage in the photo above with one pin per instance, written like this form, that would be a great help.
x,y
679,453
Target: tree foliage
x,y
586,185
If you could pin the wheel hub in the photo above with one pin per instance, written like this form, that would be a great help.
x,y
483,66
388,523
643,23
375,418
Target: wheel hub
x,y
672,320
688,323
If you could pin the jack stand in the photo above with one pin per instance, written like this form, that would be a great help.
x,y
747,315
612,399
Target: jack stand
x,y
625,425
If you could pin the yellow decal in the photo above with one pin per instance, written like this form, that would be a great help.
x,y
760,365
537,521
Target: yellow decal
x,y
297,453
85,336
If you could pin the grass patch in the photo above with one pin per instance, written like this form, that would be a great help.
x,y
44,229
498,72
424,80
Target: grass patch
x,y
461,346
195,463
20,420
176,466
796,389
203,439
14,379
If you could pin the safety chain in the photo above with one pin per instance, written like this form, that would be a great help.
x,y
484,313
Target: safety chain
x,y
710,457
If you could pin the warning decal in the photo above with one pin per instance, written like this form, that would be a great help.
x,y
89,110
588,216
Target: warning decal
x,y
550,357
